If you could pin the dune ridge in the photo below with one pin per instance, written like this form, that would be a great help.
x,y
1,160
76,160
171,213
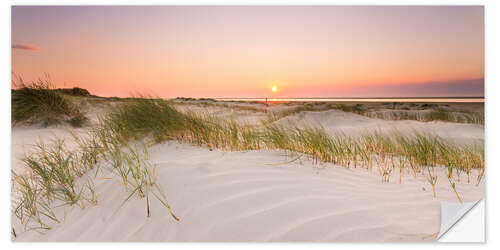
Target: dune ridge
x,y
261,195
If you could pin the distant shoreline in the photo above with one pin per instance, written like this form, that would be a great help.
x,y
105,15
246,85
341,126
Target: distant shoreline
x,y
364,99
411,97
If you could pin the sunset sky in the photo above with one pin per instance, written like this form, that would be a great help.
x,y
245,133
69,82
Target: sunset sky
x,y
243,51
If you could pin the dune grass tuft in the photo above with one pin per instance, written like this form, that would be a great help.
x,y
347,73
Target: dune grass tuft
x,y
55,173
37,102
145,116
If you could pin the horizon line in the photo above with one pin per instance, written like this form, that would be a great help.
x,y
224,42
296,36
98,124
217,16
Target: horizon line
x,y
397,97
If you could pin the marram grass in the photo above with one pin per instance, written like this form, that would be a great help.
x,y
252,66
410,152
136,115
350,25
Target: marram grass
x,y
418,151
427,116
115,144
37,102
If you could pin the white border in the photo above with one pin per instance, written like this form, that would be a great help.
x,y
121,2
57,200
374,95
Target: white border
x,y
492,92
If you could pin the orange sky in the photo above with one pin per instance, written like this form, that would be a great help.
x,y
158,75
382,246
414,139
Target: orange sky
x,y
243,51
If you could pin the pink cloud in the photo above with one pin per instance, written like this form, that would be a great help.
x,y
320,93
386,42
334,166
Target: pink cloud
x,y
25,47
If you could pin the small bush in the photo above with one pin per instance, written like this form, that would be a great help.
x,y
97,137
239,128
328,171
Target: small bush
x,y
74,91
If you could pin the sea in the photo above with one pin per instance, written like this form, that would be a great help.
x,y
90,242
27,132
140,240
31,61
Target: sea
x,y
362,99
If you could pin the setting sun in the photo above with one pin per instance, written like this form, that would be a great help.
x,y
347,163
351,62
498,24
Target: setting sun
x,y
274,88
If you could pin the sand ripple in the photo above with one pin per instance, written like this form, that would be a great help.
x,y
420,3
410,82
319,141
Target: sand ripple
x,y
238,196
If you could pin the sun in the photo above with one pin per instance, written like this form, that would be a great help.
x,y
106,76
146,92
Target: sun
x,y
274,88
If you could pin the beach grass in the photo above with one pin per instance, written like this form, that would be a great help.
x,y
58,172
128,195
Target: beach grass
x,y
120,140
53,171
158,119
397,111
430,115
38,102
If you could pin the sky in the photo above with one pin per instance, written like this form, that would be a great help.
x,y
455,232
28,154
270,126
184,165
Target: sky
x,y
242,51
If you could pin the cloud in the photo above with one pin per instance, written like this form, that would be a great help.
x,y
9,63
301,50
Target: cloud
x,y
25,47
452,88
457,88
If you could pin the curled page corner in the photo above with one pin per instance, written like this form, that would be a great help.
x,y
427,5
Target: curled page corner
x,y
451,213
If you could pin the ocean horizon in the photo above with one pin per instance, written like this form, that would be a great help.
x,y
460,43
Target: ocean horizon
x,y
363,99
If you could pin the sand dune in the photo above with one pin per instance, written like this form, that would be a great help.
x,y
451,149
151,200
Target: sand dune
x,y
253,196
353,124
239,196
25,137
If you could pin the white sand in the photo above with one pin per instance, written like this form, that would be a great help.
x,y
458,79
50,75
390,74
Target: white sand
x,y
242,116
336,120
353,124
239,196
25,137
